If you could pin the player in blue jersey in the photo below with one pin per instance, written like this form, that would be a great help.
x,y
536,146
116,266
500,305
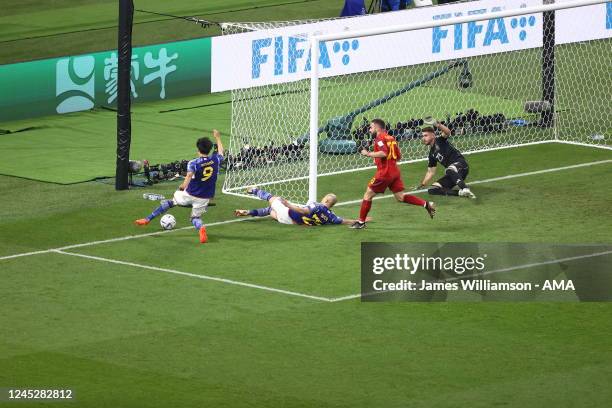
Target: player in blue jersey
x,y
198,187
288,213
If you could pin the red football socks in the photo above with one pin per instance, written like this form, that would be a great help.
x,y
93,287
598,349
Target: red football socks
x,y
365,209
414,200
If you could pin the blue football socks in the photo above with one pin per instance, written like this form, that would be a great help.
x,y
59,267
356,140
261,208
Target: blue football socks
x,y
261,194
197,223
260,212
164,206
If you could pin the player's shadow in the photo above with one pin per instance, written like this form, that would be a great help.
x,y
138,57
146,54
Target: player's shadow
x,y
486,193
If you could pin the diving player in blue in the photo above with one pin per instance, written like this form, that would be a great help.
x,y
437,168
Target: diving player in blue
x,y
288,213
198,187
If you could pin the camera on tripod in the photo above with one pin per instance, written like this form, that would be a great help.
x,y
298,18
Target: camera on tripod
x,y
154,173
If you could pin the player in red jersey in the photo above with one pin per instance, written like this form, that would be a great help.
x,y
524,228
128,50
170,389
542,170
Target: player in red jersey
x,y
386,154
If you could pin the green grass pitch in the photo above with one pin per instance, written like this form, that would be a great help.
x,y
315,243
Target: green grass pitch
x,y
131,317
141,335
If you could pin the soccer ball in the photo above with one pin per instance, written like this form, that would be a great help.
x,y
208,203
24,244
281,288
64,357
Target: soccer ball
x,y
168,222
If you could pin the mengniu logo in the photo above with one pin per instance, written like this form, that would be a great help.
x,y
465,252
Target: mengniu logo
x,y
289,55
75,84
477,34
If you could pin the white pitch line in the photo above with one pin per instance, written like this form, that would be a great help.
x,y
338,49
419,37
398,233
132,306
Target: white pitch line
x,y
348,297
532,173
339,204
193,275
44,251
511,176
106,241
531,265
511,268
212,224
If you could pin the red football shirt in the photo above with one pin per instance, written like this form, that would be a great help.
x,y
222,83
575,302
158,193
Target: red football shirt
x,y
387,166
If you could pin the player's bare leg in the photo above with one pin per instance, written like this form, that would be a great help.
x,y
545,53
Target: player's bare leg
x,y
430,206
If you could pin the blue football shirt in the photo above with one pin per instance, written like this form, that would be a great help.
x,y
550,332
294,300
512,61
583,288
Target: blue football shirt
x,y
318,215
205,171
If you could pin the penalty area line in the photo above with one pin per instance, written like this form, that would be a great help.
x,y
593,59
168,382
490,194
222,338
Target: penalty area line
x,y
193,275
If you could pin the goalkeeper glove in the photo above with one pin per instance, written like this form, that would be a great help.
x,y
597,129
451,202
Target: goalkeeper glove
x,y
430,121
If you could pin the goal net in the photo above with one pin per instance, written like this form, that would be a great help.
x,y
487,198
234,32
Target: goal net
x,y
497,83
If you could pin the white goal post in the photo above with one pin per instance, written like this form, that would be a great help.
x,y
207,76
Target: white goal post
x,y
521,80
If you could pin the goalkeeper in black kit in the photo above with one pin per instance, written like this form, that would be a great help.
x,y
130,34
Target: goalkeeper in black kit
x,y
441,150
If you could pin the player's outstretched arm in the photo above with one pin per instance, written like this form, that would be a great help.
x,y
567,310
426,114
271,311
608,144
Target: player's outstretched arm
x,y
217,136
429,121
446,132
185,182
297,209
431,172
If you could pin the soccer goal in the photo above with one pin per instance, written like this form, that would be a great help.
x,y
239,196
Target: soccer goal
x,y
500,73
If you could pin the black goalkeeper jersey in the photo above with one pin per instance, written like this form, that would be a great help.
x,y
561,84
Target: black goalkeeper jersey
x,y
444,152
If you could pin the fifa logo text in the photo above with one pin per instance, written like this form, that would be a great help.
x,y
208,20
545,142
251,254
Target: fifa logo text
x,y
288,55
481,33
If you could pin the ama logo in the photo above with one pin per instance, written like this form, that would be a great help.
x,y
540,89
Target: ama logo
x,y
288,55
475,34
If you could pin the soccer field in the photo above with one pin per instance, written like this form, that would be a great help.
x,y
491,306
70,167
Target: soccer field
x,y
266,314
270,315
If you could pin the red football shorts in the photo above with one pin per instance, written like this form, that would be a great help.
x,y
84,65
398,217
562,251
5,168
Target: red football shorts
x,y
380,185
